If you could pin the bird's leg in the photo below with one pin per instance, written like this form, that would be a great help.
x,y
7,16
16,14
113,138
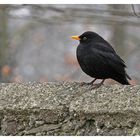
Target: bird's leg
x,y
99,84
102,82
90,83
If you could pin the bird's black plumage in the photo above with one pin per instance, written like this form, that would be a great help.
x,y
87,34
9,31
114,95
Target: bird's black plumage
x,y
99,60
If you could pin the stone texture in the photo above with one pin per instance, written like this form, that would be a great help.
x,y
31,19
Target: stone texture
x,y
69,109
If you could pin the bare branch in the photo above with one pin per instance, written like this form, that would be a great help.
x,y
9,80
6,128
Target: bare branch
x,y
134,11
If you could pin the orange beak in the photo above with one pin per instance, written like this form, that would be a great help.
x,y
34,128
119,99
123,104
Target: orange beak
x,y
75,37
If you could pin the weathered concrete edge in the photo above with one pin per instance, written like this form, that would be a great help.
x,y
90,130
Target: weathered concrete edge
x,y
115,98
68,109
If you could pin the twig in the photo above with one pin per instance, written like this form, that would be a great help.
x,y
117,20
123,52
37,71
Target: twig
x,y
134,11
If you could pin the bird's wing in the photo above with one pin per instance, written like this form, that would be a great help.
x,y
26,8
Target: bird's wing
x,y
105,46
107,52
106,59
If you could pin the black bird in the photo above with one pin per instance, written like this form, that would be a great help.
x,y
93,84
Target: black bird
x,y
99,60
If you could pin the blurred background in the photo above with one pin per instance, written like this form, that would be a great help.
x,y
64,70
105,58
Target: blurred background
x,y
35,43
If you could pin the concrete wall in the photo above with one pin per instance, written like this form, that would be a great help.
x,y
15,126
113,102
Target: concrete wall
x,y
69,109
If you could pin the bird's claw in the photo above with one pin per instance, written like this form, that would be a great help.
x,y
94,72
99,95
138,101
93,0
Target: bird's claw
x,y
95,86
86,84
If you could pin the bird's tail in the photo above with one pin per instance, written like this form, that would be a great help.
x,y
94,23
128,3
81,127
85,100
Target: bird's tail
x,y
128,76
123,80
126,82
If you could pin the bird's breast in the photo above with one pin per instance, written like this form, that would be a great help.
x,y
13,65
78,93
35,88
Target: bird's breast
x,y
81,54
84,58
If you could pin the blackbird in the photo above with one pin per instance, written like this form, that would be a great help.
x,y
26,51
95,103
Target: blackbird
x,y
99,60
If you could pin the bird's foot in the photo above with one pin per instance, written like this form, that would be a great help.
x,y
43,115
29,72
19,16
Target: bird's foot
x,y
85,84
98,85
95,86
88,84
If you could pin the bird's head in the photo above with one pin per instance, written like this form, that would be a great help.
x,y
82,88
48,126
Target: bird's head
x,y
87,37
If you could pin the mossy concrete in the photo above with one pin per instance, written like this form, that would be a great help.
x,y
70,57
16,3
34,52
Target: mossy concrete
x,y
69,109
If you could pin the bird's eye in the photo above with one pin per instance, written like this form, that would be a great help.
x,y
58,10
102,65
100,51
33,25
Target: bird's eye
x,y
84,38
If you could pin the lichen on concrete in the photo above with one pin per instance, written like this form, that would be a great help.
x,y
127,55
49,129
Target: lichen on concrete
x,y
69,109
